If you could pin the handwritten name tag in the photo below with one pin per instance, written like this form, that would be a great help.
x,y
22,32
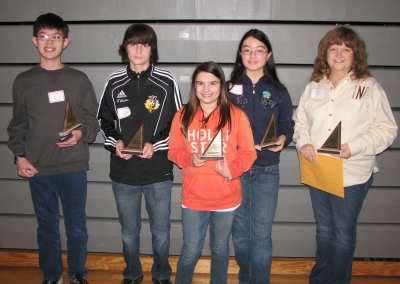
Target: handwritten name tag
x,y
318,94
123,112
57,96
237,90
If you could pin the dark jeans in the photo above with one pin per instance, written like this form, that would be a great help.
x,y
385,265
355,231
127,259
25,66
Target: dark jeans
x,y
194,225
251,232
158,206
71,190
336,219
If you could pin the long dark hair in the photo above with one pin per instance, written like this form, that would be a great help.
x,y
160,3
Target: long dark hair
x,y
190,108
143,34
269,68
348,37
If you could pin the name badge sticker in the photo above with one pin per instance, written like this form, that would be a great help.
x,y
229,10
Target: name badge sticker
x,y
318,94
123,112
237,90
57,96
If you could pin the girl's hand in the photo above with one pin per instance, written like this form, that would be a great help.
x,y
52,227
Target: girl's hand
x,y
222,168
196,162
280,143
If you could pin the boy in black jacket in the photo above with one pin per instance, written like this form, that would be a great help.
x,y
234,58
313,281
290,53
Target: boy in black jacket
x,y
55,170
141,94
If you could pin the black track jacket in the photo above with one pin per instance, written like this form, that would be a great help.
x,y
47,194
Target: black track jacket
x,y
129,100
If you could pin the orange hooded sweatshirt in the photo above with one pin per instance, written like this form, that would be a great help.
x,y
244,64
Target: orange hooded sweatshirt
x,y
202,187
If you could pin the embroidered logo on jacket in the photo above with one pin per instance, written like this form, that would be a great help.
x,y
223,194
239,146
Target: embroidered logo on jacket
x,y
266,94
121,97
359,92
266,100
152,104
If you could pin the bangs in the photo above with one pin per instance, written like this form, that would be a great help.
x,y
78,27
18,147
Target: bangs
x,y
50,21
141,39
342,36
140,34
342,41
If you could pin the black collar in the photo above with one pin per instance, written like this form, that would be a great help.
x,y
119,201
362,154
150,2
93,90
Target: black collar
x,y
135,76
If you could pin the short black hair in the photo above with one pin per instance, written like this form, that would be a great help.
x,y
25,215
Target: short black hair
x,y
50,21
139,33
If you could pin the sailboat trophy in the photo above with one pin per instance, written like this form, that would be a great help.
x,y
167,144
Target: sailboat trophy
x,y
70,123
269,138
135,146
333,143
214,149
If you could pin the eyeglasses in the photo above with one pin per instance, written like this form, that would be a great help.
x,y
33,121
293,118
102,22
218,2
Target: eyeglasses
x,y
257,52
44,37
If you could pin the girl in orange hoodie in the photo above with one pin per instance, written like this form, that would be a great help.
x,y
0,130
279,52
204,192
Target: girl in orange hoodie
x,y
211,190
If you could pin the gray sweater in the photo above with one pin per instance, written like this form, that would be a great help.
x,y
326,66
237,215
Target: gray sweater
x,y
33,130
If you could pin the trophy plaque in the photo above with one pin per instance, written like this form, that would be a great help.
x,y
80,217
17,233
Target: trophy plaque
x,y
70,123
269,139
332,144
135,146
214,149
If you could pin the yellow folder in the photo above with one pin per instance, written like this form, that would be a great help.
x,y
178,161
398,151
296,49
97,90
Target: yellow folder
x,y
326,174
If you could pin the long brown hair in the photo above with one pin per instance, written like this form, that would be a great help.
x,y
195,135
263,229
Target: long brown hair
x,y
348,37
190,108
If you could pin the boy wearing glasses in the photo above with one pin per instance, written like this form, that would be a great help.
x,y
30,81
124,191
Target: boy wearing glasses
x,y
141,94
55,170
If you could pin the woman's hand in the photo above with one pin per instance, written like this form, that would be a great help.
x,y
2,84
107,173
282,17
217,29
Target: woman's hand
x,y
346,153
308,152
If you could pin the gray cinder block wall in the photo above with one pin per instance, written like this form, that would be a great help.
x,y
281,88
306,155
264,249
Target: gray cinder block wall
x,y
190,32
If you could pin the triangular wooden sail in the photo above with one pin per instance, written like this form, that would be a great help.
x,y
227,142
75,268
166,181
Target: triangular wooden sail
x,y
269,138
333,143
214,150
135,146
70,122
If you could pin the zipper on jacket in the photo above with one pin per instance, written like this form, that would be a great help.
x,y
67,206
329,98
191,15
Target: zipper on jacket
x,y
254,102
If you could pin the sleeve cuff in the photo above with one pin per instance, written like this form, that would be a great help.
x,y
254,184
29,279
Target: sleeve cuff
x,y
301,142
354,147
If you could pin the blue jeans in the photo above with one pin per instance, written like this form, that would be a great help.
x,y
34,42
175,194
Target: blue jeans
x,y
71,190
251,232
158,205
194,224
336,220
